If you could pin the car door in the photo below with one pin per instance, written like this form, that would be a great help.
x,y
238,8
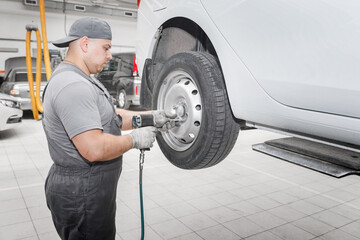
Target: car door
x,y
304,54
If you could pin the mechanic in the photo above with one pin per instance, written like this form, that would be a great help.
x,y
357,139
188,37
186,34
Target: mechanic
x,y
84,138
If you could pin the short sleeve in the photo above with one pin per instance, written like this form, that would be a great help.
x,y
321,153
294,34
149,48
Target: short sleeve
x,y
76,106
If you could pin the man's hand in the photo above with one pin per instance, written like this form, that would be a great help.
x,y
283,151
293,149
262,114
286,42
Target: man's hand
x,y
162,119
143,137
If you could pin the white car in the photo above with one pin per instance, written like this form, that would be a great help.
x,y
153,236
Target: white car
x,y
10,112
289,66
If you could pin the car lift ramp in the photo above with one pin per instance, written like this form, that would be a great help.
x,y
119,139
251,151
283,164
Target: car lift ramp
x,y
334,161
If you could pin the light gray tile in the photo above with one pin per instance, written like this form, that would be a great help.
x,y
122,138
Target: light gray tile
x,y
244,208
289,231
135,234
323,201
166,200
300,192
11,205
347,210
266,220
218,232
245,193
222,214
306,207
44,225
244,227
16,216
331,218
9,194
188,194
338,234
127,222
282,197
204,203
342,195
264,236
225,198
198,221
35,200
17,231
30,190
49,236
264,202
352,228
181,209
157,215
39,212
287,213
171,229
190,236
313,226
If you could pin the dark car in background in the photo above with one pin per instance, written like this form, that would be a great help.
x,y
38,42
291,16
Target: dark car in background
x,y
120,78
16,82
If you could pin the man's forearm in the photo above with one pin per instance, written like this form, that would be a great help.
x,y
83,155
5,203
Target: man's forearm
x,y
94,145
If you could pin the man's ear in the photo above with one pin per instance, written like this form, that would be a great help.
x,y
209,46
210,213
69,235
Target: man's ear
x,y
84,44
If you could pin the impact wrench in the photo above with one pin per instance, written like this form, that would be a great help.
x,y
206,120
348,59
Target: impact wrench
x,y
138,121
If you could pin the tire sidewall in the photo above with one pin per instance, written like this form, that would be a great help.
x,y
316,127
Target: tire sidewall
x,y
194,155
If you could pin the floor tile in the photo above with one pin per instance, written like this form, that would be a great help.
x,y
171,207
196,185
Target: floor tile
x,y
243,227
198,221
287,213
266,220
171,229
218,232
17,231
352,228
333,219
313,226
289,231
222,214
338,234
264,236
16,216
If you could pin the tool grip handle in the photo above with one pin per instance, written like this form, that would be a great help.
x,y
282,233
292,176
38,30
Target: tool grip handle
x,y
143,120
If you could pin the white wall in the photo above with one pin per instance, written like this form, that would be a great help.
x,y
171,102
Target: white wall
x,y
14,16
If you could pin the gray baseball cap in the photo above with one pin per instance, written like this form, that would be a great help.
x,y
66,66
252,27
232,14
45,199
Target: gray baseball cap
x,y
88,26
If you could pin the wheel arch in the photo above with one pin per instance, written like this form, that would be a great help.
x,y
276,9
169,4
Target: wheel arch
x,y
179,34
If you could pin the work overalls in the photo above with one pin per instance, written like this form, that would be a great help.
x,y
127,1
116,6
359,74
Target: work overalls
x,y
83,200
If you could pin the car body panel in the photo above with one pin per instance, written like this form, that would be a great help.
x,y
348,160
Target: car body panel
x,y
249,98
9,117
297,47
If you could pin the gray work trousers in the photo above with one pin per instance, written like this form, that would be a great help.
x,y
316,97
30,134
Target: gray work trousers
x,y
82,201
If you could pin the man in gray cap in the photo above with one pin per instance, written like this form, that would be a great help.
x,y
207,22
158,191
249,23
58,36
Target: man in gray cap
x,y
84,138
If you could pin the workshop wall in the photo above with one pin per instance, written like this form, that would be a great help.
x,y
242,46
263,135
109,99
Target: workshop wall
x,y
14,16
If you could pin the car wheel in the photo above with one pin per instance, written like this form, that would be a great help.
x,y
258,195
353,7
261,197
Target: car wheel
x,y
122,99
192,85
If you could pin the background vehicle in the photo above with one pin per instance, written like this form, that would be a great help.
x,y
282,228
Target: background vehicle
x,y
120,78
16,81
289,66
10,112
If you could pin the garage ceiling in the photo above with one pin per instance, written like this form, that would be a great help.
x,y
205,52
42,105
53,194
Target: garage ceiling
x,y
114,4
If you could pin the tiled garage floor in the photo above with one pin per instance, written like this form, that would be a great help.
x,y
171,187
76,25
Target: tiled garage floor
x,y
247,196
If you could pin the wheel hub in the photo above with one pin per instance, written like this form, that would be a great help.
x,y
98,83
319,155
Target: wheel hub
x,y
179,94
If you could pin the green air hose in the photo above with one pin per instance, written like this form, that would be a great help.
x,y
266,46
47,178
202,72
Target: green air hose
x,y
141,165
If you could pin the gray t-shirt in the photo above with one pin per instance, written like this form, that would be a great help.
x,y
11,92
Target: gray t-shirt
x,y
72,105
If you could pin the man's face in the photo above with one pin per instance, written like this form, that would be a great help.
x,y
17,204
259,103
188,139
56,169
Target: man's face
x,y
98,54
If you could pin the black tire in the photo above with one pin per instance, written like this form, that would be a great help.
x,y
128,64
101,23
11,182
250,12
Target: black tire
x,y
121,99
209,121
